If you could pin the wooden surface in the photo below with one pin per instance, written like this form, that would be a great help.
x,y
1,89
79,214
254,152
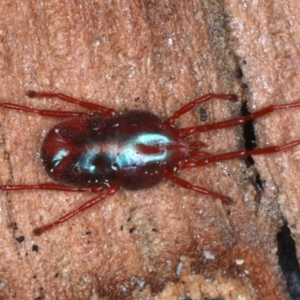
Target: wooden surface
x,y
165,242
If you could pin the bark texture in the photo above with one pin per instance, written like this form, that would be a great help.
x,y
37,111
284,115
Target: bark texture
x,y
165,242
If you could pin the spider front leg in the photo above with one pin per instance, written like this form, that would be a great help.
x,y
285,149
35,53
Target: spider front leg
x,y
187,164
184,132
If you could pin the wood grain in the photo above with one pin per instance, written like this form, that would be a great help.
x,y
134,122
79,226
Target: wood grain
x,y
165,242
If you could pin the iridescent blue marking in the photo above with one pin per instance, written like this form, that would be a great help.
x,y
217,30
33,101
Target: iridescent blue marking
x,y
86,161
131,155
94,161
59,156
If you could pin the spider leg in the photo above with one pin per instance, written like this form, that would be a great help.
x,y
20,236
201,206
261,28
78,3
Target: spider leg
x,y
189,106
43,112
109,191
184,132
51,186
186,164
84,104
185,184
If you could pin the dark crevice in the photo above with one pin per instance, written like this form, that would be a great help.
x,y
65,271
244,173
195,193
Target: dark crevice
x,y
249,135
288,262
286,245
250,142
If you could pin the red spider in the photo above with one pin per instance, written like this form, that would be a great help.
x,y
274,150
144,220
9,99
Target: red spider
x,y
105,150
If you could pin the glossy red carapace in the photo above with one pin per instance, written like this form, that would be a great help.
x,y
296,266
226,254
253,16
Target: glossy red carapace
x,y
105,150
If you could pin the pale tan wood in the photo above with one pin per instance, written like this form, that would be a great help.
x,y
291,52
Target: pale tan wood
x,y
163,242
